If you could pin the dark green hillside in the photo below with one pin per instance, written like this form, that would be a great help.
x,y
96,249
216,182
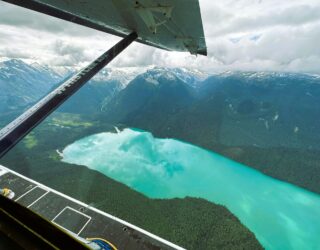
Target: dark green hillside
x,y
90,98
161,96
192,223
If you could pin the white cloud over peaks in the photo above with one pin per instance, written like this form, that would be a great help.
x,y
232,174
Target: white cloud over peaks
x,y
265,35
268,35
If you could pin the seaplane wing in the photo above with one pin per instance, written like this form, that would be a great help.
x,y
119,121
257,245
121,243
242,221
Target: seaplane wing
x,y
173,25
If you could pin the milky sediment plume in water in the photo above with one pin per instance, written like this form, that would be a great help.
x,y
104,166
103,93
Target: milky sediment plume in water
x,y
281,215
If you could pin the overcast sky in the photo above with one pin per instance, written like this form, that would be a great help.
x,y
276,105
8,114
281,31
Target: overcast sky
x,y
268,35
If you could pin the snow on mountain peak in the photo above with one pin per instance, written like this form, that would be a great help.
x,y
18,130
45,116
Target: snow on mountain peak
x,y
190,77
122,75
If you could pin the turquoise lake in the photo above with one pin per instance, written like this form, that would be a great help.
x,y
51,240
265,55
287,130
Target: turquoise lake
x,y
281,215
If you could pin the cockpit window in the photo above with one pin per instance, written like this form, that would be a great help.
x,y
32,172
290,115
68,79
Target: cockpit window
x,y
162,149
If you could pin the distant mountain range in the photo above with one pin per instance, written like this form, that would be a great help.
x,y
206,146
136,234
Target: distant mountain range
x,y
21,84
267,120
249,109
260,109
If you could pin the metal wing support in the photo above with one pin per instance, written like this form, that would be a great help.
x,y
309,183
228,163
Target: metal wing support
x,y
21,126
173,25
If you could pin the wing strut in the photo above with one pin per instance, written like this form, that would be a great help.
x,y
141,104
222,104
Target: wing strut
x,y
21,126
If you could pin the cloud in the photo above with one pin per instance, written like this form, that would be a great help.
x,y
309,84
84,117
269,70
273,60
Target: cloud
x,y
12,15
69,54
253,35
136,55
15,53
292,16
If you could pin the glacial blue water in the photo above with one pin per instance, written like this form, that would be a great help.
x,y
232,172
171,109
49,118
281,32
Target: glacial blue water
x,y
281,215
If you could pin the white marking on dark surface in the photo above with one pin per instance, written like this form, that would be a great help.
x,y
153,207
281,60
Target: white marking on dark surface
x,y
24,194
71,219
38,199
